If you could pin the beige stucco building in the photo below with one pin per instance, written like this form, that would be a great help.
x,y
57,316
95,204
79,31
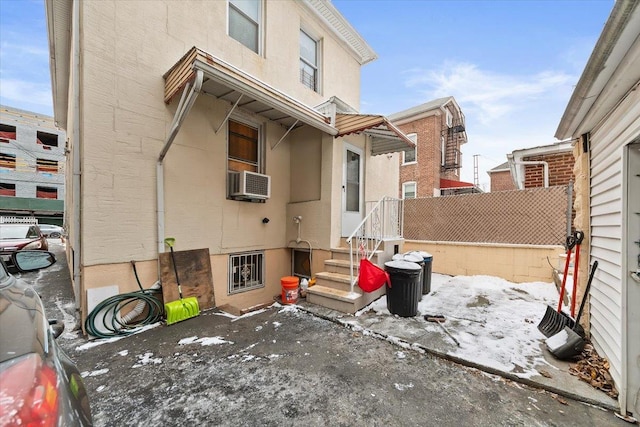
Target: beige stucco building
x,y
229,126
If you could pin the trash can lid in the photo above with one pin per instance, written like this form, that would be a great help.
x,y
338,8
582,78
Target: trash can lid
x,y
422,254
408,257
402,265
413,257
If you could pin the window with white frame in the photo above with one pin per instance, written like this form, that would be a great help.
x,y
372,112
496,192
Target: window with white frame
x,y
244,22
409,190
309,61
246,271
411,156
443,155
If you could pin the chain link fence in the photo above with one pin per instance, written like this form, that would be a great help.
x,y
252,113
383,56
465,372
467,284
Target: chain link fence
x,y
537,216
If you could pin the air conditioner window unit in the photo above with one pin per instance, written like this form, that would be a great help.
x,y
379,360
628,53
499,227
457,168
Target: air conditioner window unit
x,y
249,185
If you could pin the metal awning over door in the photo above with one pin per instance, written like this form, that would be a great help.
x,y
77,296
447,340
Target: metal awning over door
x,y
227,82
385,136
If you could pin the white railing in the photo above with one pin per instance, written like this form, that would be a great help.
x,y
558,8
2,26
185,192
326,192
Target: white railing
x,y
384,220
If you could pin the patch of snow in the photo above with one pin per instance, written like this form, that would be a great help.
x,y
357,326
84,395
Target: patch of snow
x,y
145,359
94,373
100,341
249,314
123,352
204,341
276,324
403,387
401,355
494,320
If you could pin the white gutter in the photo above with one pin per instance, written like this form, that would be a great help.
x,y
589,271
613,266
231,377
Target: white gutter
x,y
518,173
188,98
76,243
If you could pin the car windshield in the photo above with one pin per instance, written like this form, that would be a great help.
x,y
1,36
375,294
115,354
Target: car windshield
x,y
18,232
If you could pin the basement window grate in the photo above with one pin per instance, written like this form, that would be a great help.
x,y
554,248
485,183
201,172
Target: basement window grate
x,y
246,271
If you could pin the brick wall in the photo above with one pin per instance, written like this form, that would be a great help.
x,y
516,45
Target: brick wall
x,y
426,171
560,170
502,181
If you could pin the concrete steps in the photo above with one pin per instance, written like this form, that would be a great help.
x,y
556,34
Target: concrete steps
x,y
333,287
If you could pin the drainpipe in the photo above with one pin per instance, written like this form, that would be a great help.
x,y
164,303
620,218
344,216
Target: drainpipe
x,y
75,154
188,98
514,171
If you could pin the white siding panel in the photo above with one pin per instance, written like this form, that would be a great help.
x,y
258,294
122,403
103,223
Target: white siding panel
x,y
606,244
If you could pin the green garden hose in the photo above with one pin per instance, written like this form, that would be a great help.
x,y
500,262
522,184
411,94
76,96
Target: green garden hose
x,y
105,320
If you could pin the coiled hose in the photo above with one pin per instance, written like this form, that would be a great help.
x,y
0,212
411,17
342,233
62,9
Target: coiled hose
x,y
105,320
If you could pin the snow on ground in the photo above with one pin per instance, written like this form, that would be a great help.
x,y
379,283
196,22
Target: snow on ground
x,y
495,321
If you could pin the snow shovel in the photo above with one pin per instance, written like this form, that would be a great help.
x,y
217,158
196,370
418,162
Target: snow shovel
x,y
554,321
184,308
570,341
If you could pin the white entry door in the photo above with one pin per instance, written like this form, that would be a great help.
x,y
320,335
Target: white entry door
x,y
352,188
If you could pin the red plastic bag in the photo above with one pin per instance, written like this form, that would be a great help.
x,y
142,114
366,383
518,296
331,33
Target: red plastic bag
x,y
371,276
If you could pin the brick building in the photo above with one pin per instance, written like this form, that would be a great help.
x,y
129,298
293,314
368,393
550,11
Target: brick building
x,y
438,129
542,166
501,179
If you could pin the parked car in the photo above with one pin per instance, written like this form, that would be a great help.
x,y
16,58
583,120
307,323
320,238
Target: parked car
x,y
51,231
39,384
17,237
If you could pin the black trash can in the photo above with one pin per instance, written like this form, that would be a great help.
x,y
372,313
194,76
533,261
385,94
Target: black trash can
x,y
427,259
413,257
404,294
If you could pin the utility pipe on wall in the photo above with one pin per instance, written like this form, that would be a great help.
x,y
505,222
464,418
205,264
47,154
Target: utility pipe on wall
x,y
188,98
76,259
519,180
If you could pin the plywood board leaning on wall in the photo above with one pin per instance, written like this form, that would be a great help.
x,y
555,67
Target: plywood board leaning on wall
x,y
194,272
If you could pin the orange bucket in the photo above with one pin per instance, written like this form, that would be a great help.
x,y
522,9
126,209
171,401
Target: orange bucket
x,y
289,289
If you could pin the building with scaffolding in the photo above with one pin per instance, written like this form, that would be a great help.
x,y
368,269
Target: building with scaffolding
x,y
32,161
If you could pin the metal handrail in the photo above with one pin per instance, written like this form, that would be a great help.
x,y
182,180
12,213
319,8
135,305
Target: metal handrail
x,y
384,220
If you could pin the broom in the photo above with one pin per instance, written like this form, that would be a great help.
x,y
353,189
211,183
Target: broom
x,y
184,308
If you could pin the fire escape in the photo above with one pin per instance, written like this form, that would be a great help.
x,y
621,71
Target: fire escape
x,y
453,136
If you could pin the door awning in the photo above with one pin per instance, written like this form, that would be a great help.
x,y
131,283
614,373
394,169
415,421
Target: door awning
x,y
385,136
224,81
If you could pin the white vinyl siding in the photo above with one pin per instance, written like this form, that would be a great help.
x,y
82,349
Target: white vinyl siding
x,y
609,289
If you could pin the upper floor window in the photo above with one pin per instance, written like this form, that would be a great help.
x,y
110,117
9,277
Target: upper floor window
x,y
7,133
443,151
7,161
7,189
46,192
411,156
46,165
409,190
47,140
308,61
244,22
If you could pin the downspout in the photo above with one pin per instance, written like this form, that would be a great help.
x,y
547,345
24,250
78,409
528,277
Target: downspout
x,y
189,95
514,172
75,153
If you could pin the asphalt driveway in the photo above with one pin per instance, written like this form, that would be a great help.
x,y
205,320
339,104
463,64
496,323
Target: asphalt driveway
x,y
286,366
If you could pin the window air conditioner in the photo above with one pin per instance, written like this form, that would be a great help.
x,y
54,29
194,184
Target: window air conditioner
x,y
249,185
